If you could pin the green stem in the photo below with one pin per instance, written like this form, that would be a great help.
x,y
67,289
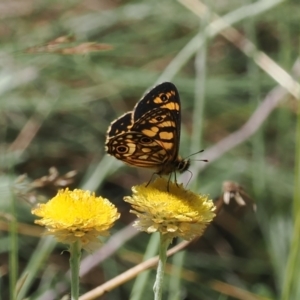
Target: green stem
x,y
158,285
13,254
142,279
75,254
290,287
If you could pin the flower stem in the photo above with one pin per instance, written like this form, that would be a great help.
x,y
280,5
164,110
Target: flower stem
x,y
158,285
75,254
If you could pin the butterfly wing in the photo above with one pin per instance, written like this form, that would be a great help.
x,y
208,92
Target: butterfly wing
x,y
149,135
160,126
136,149
128,143
119,126
158,116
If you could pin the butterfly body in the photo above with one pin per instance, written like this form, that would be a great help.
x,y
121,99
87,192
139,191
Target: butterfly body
x,y
149,136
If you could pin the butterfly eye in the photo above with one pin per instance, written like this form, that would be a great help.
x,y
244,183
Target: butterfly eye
x,y
145,140
122,149
158,119
183,165
180,165
163,97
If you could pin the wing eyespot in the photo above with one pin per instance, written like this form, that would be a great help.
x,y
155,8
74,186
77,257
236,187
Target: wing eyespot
x,y
145,140
122,149
164,97
158,119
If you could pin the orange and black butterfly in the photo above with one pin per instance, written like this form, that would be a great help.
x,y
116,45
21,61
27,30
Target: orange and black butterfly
x,y
149,136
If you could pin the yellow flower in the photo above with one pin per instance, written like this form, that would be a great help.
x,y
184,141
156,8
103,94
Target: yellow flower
x,y
77,216
178,212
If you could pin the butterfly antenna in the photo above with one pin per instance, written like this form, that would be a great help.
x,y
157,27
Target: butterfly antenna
x,y
194,153
205,160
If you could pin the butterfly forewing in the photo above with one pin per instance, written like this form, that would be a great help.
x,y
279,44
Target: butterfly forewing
x,y
160,125
163,96
121,125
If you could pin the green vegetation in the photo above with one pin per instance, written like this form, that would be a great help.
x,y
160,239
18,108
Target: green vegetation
x,y
56,106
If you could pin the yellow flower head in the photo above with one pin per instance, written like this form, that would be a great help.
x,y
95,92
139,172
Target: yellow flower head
x,y
178,212
77,215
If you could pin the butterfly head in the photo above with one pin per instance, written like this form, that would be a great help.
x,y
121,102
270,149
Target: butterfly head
x,y
182,165
178,165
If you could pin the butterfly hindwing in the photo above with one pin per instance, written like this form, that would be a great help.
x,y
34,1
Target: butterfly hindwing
x,y
137,149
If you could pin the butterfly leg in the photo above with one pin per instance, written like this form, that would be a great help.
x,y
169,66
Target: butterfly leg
x,y
170,176
189,178
152,178
175,179
168,186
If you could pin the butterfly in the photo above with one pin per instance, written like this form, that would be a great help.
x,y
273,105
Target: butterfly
x,y
149,135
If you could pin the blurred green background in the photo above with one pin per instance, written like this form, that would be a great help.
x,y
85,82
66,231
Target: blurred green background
x,y
56,108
